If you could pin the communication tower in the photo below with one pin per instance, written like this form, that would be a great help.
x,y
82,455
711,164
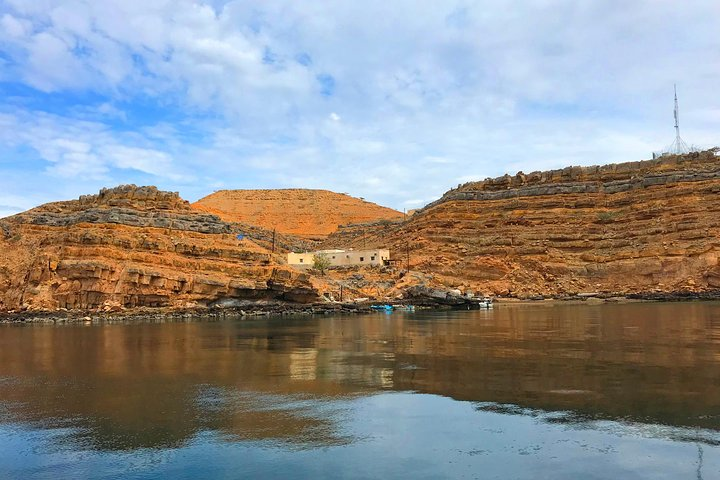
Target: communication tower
x,y
679,146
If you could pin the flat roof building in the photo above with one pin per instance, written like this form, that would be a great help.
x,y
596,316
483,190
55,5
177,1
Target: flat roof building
x,y
338,258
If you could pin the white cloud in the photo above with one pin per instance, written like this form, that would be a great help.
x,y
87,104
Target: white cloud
x,y
81,149
14,27
109,110
12,204
141,159
386,100
52,66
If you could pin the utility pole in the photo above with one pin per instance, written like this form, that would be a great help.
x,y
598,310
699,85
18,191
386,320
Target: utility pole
x,y
407,255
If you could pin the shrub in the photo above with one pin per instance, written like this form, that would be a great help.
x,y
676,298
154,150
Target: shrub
x,y
607,217
321,262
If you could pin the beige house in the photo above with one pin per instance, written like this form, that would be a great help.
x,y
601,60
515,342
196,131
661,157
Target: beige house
x,y
339,258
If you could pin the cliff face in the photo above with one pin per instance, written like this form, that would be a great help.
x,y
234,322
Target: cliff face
x,y
135,247
632,227
309,213
625,228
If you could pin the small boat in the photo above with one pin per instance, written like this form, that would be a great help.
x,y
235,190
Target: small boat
x,y
485,303
386,308
390,308
404,308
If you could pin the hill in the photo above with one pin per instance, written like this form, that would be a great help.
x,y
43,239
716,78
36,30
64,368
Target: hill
x,y
649,226
130,247
308,213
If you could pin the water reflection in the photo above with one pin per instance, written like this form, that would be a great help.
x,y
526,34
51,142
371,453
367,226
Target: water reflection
x,y
653,368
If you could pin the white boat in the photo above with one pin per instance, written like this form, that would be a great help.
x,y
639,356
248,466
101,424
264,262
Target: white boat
x,y
485,303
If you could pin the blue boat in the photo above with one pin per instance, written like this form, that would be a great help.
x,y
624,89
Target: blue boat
x,y
390,308
386,308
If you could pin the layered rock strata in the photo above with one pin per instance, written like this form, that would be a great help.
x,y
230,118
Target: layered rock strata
x,y
304,212
136,247
622,228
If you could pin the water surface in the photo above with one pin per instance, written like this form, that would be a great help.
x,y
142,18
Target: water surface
x,y
557,392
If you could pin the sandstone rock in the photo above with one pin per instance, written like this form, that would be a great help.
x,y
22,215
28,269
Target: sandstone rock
x,y
620,228
5,230
310,213
131,247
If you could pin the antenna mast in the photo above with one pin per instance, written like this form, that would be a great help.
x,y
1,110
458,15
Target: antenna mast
x,y
677,116
679,146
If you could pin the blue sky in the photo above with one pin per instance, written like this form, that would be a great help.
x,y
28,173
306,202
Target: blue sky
x,y
395,102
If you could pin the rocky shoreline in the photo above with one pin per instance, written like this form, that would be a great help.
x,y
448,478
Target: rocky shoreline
x,y
163,315
180,315
676,296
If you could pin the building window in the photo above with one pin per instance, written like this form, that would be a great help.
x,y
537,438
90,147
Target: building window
x,y
347,256
333,257
301,260
362,259
372,259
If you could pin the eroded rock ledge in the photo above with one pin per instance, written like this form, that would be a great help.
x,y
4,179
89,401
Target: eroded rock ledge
x,y
132,247
605,179
134,218
651,226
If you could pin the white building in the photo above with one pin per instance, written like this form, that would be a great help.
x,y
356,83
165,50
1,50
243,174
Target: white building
x,y
339,258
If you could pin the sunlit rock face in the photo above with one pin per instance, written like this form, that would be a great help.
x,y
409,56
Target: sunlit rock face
x,y
619,228
136,247
305,212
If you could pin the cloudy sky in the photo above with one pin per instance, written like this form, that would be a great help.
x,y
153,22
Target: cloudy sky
x,y
395,101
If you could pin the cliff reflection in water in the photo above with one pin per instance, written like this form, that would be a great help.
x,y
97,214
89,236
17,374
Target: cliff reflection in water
x,y
289,380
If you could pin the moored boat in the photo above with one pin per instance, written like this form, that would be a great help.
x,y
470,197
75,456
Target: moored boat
x,y
390,308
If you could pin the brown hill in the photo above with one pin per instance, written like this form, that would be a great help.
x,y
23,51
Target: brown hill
x,y
309,213
631,227
626,228
136,247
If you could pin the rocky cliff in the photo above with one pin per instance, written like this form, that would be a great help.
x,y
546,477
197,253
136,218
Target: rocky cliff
x,y
639,227
622,228
309,213
137,247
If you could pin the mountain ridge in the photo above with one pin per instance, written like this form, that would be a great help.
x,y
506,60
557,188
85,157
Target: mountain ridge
x,y
313,213
639,228
620,228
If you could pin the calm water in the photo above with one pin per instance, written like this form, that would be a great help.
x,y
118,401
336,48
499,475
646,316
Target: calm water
x,y
564,392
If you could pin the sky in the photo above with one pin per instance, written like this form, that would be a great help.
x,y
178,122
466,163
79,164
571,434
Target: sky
x,y
394,101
